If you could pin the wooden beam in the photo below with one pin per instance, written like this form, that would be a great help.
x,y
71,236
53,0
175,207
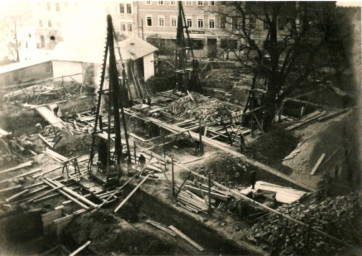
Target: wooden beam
x,y
23,165
80,249
186,238
161,227
17,195
71,192
65,194
317,164
130,194
45,141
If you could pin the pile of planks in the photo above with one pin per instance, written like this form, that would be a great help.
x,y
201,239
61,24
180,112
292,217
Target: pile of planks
x,y
191,202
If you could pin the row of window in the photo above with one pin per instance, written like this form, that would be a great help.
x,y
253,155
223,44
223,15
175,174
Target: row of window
x,y
235,22
126,27
173,22
50,23
187,3
125,8
57,6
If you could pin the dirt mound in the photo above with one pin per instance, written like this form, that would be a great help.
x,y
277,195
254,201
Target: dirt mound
x,y
202,107
227,169
111,234
272,147
336,216
337,138
71,145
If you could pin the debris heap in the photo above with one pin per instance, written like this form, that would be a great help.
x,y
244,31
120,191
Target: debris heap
x,y
336,216
200,107
227,170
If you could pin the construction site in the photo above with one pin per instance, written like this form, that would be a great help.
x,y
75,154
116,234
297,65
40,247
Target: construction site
x,y
180,164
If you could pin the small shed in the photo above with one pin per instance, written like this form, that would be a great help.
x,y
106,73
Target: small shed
x,y
139,57
67,60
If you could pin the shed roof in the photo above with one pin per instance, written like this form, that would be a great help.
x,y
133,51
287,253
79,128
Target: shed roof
x,y
20,65
134,48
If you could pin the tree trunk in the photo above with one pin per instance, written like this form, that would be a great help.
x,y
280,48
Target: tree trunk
x,y
270,109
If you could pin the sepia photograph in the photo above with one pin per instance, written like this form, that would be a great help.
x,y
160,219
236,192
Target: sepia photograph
x,y
159,127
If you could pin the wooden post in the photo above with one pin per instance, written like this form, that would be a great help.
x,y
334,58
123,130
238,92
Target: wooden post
x,y
201,149
173,178
209,193
134,153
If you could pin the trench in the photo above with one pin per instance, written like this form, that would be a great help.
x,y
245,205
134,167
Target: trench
x,y
22,233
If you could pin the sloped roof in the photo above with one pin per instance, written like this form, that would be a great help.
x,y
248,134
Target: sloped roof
x,y
22,64
131,49
134,48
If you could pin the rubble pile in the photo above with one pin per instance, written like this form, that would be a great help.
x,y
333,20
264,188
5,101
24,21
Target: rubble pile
x,y
200,107
337,216
45,93
16,149
227,170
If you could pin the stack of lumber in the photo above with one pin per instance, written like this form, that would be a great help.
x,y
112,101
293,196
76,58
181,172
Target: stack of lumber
x,y
191,202
215,193
338,216
283,194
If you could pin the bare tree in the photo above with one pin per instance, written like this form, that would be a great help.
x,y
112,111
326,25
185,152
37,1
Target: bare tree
x,y
12,37
290,49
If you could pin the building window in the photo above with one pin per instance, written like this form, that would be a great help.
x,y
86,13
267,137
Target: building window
x,y
149,21
121,8
200,23
222,22
42,41
49,23
281,23
173,22
211,23
123,27
48,6
129,27
160,2
212,3
129,8
148,2
172,2
188,3
189,23
57,8
200,3
161,21
40,23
